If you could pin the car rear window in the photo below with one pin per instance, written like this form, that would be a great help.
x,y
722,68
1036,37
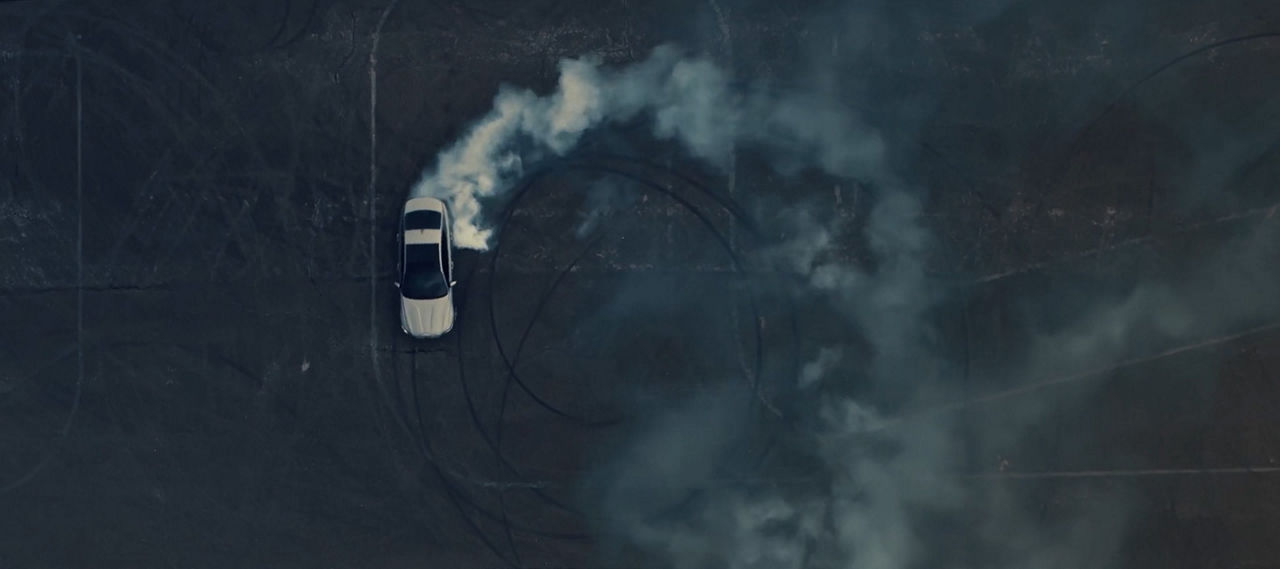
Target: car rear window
x,y
422,275
423,255
422,219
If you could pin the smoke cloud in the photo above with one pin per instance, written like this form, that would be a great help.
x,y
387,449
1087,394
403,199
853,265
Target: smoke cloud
x,y
860,480
686,99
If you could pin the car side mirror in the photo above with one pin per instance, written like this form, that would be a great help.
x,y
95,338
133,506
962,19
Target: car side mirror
x,y
397,283
453,284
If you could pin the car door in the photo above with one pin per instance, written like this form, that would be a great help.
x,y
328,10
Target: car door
x,y
446,246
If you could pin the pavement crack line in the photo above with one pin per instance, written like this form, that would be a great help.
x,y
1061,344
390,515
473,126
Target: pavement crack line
x,y
1131,473
75,49
1087,374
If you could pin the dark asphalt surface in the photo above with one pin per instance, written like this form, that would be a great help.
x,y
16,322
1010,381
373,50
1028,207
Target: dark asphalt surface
x,y
200,358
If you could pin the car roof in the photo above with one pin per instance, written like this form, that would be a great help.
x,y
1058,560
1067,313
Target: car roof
x,y
422,237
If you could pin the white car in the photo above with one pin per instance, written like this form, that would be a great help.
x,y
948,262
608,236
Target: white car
x,y
424,273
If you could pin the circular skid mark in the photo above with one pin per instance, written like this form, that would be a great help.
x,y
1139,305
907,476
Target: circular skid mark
x,y
510,358
1120,117
220,27
516,503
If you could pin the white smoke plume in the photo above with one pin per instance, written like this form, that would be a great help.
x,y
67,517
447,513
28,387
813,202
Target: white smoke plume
x,y
815,370
875,481
688,100
863,512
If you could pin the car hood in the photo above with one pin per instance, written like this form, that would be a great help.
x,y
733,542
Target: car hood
x,y
427,318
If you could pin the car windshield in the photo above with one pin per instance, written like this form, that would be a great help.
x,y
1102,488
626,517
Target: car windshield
x,y
422,275
422,219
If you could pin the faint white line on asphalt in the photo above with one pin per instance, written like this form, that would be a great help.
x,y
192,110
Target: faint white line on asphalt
x,y
17,106
1129,473
75,401
1268,210
373,184
373,231
1087,374
75,404
726,42
1124,364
